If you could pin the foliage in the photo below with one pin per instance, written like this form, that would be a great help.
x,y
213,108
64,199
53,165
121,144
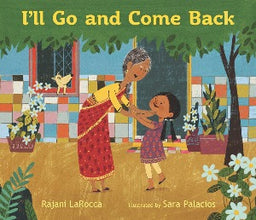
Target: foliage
x,y
235,188
9,197
27,125
184,39
191,119
30,212
214,121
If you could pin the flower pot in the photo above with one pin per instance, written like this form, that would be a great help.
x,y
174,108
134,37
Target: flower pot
x,y
16,145
210,145
193,141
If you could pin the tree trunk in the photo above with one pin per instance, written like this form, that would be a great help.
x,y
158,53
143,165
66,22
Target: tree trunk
x,y
235,142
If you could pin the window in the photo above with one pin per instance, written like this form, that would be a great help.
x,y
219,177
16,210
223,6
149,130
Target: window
x,y
44,64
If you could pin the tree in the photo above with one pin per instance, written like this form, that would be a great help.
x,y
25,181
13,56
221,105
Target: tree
x,y
179,40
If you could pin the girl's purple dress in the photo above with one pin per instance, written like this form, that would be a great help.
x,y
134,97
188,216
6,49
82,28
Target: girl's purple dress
x,y
152,150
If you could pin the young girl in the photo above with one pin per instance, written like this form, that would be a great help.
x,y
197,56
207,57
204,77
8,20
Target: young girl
x,y
167,107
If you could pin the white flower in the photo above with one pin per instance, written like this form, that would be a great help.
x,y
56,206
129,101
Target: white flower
x,y
30,91
192,127
249,166
38,85
186,127
41,107
39,97
33,113
253,181
32,128
194,119
234,190
186,117
47,86
33,102
236,212
209,172
236,161
194,112
15,129
26,139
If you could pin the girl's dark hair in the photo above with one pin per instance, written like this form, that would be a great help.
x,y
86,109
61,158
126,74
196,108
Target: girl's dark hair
x,y
174,107
136,55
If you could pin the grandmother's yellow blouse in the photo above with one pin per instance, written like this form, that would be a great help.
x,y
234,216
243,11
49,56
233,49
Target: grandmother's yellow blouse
x,y
110,92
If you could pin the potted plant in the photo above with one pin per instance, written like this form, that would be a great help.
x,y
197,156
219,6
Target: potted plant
x,y
24,133
213,141
191,126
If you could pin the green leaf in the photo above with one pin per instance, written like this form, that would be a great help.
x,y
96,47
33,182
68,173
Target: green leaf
x,y
7,42
254,25
198,42
206,118
225,172
248,57
207,90
242,175
214,216
28,176
246,42
65,38
224,188
21,189
3,199
111,49
24,183
118,44
180,46
112,39
92,42
243,52
171,47
29,167
13,181
11,217
96,48
252,214
210,44
214,188
12,211
188,47
14,204
30,212
16,177
9,187
20,172
2,207
245,188
171,38
233,178
16,197
245,29
5,193
49,39
38,137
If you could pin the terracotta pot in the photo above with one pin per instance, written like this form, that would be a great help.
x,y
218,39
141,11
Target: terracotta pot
x,y
16,145
193,141
210,145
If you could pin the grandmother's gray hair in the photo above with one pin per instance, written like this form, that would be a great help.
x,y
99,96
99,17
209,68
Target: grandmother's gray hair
x,y
136,55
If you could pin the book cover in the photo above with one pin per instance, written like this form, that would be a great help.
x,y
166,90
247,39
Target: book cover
x,y
127,109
